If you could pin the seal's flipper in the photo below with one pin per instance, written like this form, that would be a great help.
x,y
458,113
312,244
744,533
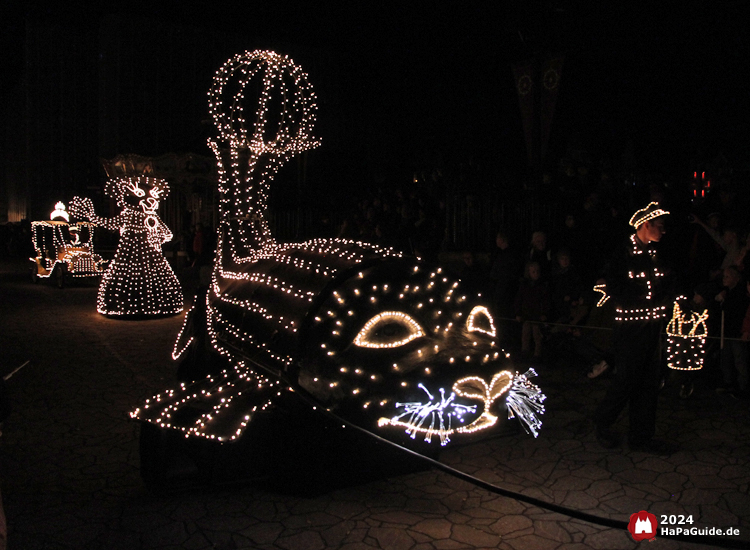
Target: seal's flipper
x,y
217,407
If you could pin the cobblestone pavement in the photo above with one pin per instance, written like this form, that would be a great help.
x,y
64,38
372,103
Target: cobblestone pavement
x,y
69,467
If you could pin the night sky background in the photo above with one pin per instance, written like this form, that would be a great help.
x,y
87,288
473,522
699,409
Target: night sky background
x,y
431,85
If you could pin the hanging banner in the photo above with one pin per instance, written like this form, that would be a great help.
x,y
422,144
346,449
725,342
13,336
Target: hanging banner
x,y
524,79
551,71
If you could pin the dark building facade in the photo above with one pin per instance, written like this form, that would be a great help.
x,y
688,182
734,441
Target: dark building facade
x,y
91,89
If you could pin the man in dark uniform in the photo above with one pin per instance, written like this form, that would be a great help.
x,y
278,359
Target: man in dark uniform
x,y
635,282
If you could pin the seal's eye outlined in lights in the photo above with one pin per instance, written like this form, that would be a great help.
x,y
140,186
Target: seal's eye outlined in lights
x,y
480,320
389,329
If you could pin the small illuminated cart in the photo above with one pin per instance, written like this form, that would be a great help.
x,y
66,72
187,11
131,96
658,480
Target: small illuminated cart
x,y
64,250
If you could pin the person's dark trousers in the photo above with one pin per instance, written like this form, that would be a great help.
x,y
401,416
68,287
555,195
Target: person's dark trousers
x,y
636,380
734,361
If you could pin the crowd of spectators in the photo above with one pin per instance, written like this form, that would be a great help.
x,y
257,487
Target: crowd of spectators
x,y
412,221
708,263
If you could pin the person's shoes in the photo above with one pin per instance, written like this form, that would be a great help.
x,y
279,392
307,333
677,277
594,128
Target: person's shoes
x,y
598,369
686,390
607,438
654,447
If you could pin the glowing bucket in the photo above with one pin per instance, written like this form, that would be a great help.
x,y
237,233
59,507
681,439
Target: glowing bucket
x,y
686,339
686,352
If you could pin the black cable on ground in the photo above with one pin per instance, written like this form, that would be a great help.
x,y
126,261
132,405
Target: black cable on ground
x,y
717,542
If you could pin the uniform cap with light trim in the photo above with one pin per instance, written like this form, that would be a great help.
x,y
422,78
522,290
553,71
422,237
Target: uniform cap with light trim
x,y
653,210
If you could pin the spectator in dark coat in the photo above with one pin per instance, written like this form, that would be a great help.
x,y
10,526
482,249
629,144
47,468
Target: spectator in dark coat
x,y
566,287
532,307
473,274
505,272
540,253
734,360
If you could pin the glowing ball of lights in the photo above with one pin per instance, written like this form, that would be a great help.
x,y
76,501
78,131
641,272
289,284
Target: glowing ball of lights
x,y
276,85
384,341
139,280
59,212
264,109
686,338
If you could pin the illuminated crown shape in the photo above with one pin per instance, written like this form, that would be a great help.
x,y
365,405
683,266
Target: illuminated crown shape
x,y
696,323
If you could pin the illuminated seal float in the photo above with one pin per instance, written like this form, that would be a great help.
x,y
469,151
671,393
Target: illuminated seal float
x,y
378,339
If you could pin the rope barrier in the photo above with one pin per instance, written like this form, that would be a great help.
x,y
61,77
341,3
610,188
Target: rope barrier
x,y
591,327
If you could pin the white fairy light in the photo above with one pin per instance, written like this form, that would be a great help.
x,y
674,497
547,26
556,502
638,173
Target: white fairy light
x,y
432,418
525,402
649,212
179,346
649,313
640,314
481,313
365,336
601,289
